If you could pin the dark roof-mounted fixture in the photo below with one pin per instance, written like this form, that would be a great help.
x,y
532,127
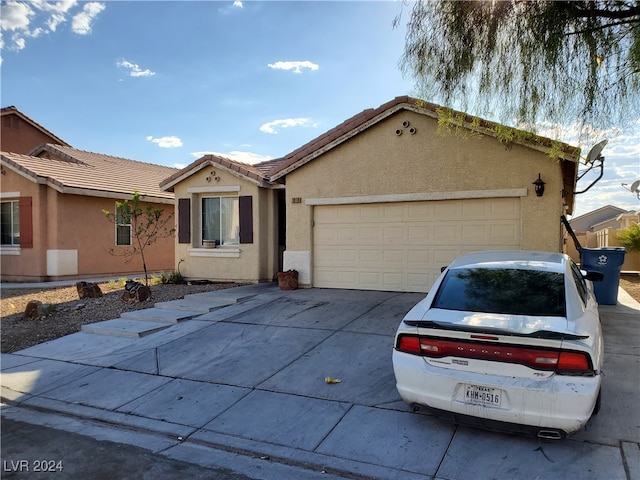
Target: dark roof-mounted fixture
x,y
593,161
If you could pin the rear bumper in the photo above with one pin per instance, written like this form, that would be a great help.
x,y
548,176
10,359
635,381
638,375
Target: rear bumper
x,y
558,403
492,425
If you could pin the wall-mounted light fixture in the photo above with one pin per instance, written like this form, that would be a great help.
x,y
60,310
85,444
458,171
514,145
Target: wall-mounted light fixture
x,y
539,186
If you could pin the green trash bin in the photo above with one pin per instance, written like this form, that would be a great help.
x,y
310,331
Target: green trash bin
x,y
608,261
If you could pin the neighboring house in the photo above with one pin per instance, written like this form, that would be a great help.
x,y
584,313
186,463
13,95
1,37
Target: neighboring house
x,y
380,202
599,229
603,217
53,225
20,134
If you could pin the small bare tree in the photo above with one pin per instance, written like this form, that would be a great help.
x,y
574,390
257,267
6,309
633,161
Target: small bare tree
x,y
148,225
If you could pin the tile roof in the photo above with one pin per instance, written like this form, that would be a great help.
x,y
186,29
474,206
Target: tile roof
x,y
79,172
273,171
13,110
257,174
369,117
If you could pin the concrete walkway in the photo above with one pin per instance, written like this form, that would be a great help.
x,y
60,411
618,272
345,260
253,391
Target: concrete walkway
x,y
235,379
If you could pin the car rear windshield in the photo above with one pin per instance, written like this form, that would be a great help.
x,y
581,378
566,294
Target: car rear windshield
x,y
501,290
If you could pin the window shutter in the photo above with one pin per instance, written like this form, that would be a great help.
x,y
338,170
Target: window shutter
x,y
184,220
26,222
246,219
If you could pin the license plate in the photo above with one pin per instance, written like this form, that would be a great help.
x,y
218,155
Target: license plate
x,y
480,395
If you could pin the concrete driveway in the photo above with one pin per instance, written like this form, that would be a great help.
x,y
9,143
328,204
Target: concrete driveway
x,y
236,379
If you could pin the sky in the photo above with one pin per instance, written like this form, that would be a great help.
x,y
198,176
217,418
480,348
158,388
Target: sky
x,y
168,81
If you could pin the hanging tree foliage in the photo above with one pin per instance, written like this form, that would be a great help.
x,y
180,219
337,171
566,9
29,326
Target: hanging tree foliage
x,y
575,61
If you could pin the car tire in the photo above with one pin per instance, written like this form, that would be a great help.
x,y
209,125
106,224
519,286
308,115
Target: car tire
x,y
596,409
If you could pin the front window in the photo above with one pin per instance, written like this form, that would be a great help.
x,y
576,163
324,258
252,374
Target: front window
x,y
10,222
123,227
221,220
503,290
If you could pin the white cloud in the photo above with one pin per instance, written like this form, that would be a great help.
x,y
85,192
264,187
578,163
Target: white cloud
x,y
273,127
166,142
15,16
81,23
295,66
239,156
38,17
227,9
134,69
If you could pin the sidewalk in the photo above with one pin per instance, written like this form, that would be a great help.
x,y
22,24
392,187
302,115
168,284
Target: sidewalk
x,y
234,379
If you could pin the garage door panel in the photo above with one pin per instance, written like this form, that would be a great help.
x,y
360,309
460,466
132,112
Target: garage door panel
x,y
393,233
419,211
418,234
393,212
372,279
370,213
325,234
402,246
393,256
393,281
505,233
446,210
505,208
474,209
371,256
346,233
347,255
421,282
419,258
447,233
474,232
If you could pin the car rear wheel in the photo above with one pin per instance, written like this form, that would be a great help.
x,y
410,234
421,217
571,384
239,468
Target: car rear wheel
x,y
596,409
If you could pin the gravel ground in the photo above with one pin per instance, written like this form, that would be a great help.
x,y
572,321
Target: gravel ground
x,y
69,313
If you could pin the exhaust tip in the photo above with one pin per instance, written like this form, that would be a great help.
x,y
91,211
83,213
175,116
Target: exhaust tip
x,y
550,434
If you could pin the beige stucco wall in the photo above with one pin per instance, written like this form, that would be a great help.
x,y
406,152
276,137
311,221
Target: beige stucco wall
x,y
379,162
247,262
72,238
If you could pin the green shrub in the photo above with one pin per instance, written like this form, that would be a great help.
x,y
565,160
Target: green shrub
x,y
171,277
630,238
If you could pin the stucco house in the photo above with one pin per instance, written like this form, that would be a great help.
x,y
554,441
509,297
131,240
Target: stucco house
x,y
21,134
53,225
380,202
600,229
603,217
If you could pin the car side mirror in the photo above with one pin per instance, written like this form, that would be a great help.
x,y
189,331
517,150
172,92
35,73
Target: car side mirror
x,y
442,269
593,276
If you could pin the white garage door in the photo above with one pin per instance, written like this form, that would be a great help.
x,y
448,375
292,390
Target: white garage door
x,y
401,246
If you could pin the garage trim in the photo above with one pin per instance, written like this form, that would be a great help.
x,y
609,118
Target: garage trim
x,y
418,197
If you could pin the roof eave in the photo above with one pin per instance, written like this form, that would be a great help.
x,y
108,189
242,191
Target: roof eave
x,y
541,144
207,161
14,111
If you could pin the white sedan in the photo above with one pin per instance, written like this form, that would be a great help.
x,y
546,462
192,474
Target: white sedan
x,y
505,340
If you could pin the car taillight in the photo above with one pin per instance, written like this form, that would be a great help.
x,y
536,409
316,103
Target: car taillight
x,y
560,361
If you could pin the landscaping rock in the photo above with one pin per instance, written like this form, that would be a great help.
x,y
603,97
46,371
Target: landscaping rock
x,y
135,292
31,312
88,290
35,309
